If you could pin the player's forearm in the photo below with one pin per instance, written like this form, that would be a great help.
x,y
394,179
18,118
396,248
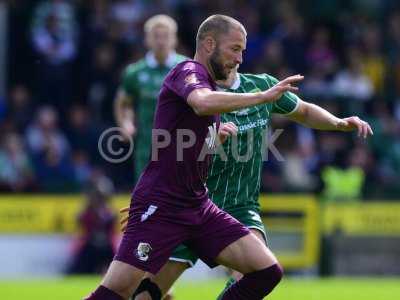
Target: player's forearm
x,y
316,117
122,112
209,103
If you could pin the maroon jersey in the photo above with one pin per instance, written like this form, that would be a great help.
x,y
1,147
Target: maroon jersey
x,y
177,171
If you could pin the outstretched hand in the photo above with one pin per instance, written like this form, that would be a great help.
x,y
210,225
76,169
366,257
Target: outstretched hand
x,y
355,123
282,87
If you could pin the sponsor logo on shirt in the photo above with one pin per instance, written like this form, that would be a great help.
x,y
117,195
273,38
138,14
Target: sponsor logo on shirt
x,y
143,251
151,210
251,125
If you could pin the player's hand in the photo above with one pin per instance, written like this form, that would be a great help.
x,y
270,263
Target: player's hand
x,y
355,123
125,217
226,130
128,130
286,85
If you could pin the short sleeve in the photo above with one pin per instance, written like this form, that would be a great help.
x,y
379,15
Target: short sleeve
x,y
129,81
287,104
187,78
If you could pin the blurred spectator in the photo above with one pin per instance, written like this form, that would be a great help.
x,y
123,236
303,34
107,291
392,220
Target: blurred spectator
x,y
271,180
320,53
20,107
344,180
351,82
94,248
321,64
316,84
386,144
393,50
81,166
329,144
394,37
101,83
129,15
272,58
62,10
300,162
98,17
373,61
16,172
50,152
54,40
291,33
82,130
255,39
45,131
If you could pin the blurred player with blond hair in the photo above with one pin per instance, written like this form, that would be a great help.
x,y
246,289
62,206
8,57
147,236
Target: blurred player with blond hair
x,y
136,99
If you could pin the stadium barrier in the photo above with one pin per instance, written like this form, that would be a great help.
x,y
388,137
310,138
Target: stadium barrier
x,y
293,229
295,224
44,214
291,221
361,238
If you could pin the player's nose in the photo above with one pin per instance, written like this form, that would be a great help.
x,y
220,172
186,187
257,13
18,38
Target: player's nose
x,y
239,59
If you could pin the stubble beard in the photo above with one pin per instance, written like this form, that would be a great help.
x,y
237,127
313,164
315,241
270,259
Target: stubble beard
x,y
216,66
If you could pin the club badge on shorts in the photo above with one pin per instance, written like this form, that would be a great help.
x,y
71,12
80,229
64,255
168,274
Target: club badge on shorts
x,y
143,251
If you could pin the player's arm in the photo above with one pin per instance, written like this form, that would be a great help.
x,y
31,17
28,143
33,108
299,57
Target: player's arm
x,y
207,102
316,117
124,113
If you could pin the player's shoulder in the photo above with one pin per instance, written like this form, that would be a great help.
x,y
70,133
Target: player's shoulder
x,y
262,79
189,65
135,67
256,77
186,67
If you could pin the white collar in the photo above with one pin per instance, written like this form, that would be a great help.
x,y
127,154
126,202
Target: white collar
x,y
234,85
153,63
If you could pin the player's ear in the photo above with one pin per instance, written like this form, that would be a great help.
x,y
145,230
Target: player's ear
x,y
210,44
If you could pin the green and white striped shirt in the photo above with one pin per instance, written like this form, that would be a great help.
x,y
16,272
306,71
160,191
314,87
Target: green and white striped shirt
x,y
234,180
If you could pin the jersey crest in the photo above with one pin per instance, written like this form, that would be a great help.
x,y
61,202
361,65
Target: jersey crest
x,y
191,79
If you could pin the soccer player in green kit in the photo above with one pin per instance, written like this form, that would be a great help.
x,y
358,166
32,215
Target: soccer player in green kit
x,y
141,82
234,180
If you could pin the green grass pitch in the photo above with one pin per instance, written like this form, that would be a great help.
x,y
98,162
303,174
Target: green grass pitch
x,y
289,289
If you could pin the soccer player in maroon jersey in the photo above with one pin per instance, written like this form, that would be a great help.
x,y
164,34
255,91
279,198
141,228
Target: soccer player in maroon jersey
x,y
170,203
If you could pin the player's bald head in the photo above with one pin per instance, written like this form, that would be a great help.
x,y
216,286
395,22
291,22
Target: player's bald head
x,y
216,26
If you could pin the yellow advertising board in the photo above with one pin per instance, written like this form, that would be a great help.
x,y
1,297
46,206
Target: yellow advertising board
x,y
49,214
44,213
294,215
363,218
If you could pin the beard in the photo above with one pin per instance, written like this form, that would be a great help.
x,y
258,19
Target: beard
x,y
216,65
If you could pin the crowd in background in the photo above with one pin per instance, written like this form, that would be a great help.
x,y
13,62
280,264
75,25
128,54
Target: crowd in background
x,y
65,60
